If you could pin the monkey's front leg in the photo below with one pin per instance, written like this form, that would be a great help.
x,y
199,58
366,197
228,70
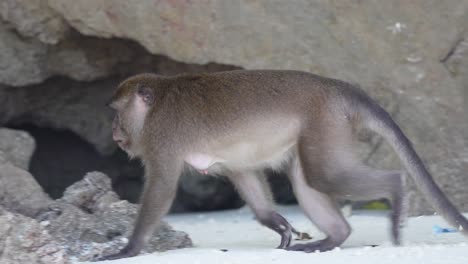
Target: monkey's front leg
x,y
159,192
256,192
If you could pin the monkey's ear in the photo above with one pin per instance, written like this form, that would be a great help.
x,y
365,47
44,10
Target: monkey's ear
x,y
146,94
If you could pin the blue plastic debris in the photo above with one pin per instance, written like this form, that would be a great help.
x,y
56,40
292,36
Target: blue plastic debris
x,y
438,230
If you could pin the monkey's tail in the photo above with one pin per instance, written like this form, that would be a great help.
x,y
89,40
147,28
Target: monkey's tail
x,y
378,120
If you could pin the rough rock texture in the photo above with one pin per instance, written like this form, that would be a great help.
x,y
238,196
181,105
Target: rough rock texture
x,y
87,236
25,61
19,192
410,55
24,240
200,32
3,157
34,18
79,107
92,194
90,221
16,147
456,62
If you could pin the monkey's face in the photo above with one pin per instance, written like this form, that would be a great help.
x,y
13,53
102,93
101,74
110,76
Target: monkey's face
x,y
131,102
119,133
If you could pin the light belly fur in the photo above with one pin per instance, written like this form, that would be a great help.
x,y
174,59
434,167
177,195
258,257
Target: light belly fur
x,y
268,147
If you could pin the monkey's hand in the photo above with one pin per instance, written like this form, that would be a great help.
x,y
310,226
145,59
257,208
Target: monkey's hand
x,y
126,252
280,225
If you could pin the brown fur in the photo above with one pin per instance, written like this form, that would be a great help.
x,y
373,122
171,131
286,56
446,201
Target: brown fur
x,y
238,123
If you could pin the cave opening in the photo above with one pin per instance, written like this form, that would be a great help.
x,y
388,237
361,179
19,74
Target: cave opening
x,y
62,158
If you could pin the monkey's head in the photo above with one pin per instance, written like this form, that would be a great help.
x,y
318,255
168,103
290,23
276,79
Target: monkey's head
x,y
132,101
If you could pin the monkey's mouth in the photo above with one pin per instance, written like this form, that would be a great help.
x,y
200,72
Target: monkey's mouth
x,y
123,144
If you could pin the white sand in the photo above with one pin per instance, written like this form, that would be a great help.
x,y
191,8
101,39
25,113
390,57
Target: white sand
x,y
249,242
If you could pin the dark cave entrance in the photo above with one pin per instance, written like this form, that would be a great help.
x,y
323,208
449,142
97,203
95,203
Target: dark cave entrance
x,y
62,158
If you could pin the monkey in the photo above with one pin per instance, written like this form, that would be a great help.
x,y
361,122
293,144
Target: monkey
x,y
237,123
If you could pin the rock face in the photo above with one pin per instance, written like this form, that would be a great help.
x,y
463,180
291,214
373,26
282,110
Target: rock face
x,y
91,221
92,194
16,147
19,192
410,55
315,35
34,19
24,240
87,222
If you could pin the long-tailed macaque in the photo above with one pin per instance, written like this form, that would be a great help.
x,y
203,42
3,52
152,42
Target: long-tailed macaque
x,y
238,123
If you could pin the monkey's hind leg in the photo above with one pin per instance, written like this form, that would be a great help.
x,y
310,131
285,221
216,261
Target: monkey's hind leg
x,y
363,183
321,210
255,190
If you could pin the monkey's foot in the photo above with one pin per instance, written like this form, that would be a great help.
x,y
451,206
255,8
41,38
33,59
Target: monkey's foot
x,y
321,245
126,252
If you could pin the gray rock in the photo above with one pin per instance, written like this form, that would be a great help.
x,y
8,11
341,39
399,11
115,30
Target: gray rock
x,y
19,192
120,218
456,62
314,35
20,68
24,240
92,194
34,19
17,147
79,107
25,61
102,227
3,158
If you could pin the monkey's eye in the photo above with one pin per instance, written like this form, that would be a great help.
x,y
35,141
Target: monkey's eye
x,y
146,94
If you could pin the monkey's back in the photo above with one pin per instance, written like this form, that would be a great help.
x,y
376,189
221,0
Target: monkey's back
x,y
232,104
234,92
